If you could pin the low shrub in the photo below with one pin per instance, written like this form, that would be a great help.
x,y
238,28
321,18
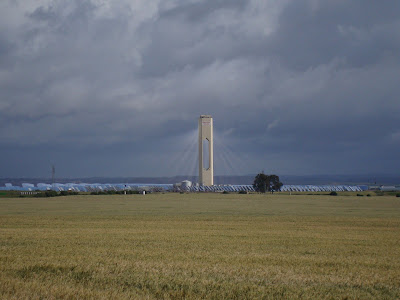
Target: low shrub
x,y
333,193
68,193
225,192
360,195
398,195
242,192
51,193
368,195
46,194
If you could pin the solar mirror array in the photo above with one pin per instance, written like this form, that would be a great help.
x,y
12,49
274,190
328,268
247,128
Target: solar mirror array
x,y
96,187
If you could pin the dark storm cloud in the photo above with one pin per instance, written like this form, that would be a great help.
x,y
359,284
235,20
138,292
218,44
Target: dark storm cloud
x,y
358,31
114,88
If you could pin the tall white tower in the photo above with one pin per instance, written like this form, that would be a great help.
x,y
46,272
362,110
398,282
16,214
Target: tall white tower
x,y
206,161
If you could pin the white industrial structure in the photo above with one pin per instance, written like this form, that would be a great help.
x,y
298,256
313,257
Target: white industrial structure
x,y
206,161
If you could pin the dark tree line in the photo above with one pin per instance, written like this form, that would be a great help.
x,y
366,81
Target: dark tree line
x,y
267,183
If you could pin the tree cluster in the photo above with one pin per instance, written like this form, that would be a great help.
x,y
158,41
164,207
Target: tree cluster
x,y
44,194
267,183
112,192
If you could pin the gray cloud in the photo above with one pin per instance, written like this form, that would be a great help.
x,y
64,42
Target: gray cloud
x,y
112,88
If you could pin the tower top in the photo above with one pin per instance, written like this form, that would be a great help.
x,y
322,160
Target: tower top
x,y
205,116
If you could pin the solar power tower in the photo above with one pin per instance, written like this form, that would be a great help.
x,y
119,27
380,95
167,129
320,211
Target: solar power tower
x,y
206,161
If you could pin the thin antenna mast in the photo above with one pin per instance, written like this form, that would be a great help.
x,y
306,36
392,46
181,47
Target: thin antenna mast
x,y
53,175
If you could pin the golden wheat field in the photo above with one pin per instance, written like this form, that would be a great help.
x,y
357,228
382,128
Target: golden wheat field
x,y
200,246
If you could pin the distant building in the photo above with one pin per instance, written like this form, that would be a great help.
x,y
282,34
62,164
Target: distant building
x,y
389,188
183,186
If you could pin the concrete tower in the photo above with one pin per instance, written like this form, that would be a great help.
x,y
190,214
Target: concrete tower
x,y
206,161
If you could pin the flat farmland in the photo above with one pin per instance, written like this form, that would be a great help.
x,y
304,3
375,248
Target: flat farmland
x,y
200,246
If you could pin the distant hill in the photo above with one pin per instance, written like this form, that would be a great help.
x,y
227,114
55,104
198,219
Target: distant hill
x,y
222,179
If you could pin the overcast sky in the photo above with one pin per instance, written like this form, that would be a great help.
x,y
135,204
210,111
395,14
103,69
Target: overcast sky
x,y
115,87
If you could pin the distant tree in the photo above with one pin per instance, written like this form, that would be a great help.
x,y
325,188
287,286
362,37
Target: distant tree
x,y
260,183
267,183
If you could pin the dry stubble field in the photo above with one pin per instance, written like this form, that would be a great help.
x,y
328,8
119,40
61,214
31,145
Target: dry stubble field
x,y
200,246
